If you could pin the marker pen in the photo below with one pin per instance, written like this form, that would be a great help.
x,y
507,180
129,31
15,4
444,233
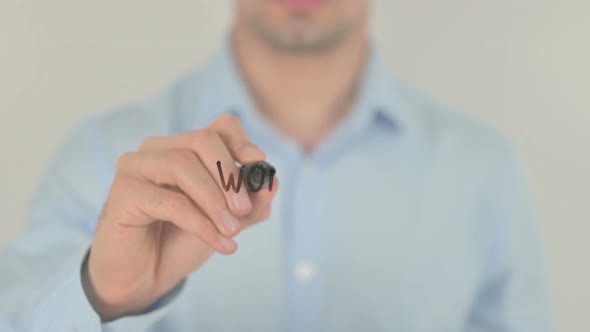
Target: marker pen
x,y
258,174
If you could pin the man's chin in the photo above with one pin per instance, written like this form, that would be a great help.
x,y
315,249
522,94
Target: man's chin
x,y
301,44
301,5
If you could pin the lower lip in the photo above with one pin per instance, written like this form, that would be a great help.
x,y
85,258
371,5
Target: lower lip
x,y
302,4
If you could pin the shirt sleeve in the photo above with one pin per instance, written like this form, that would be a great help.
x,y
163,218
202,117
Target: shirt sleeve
x,y
514,294
41,288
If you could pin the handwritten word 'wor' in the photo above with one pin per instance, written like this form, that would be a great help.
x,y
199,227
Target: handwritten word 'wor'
x,y
258,175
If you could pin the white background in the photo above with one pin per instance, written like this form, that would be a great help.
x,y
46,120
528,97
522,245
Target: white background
x,y
522,65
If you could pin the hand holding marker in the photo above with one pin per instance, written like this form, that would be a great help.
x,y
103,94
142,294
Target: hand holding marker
x,y
168,211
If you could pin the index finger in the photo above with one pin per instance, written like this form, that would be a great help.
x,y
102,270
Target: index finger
x,y
235,138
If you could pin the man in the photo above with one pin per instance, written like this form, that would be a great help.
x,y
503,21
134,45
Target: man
x,y
393,213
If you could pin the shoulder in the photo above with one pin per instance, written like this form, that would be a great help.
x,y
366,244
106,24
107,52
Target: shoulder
x,y
91,147
455,135
126,126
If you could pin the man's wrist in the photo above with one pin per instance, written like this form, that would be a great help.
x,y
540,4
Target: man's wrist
x,y
105,311
111,311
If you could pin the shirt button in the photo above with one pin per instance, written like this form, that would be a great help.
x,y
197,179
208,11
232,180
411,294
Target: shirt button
x,y
304,271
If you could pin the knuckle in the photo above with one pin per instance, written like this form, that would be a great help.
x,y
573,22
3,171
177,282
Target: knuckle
x,y
240,145
228,120
206,136
121,188
177,203
125,161
182,158
220,206
149,142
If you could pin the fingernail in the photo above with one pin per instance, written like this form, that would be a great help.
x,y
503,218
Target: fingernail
x,y
227,243
231,223
242,202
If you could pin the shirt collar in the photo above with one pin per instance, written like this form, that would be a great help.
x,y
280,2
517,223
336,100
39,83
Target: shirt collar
x,y
219,89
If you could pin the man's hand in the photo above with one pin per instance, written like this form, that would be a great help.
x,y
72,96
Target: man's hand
x,y
167,213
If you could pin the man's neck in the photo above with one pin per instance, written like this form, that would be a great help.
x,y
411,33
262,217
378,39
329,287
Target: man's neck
x,y
303,95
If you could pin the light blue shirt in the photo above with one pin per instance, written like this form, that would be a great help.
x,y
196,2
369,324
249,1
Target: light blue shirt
x,y
408,217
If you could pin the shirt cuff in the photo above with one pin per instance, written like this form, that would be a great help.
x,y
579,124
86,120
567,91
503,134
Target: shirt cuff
x,y
145,320
67,308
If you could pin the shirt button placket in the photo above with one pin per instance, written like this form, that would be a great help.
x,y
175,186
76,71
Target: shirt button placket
x,y
306,225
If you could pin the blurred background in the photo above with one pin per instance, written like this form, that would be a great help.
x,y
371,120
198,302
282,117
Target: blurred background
x,y
521,65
